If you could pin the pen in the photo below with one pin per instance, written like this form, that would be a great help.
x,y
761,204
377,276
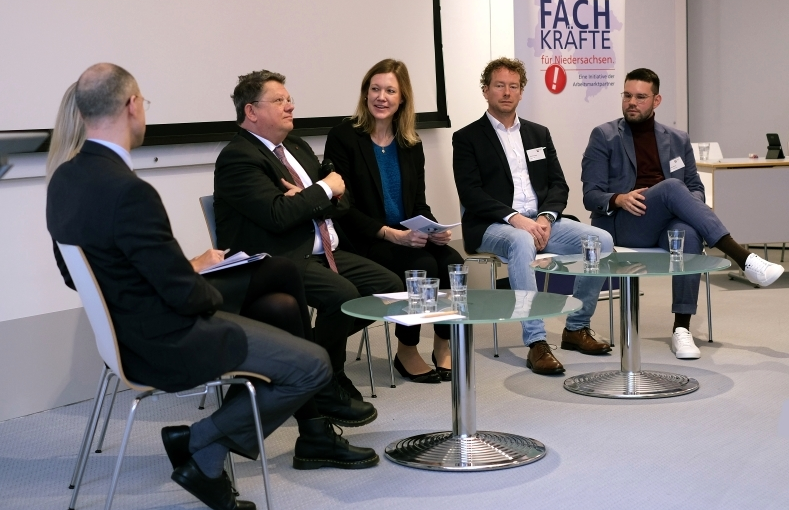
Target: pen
x,y
439,314
225,252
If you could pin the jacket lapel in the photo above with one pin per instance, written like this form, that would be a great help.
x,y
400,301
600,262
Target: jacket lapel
x,y
366,148
493,138
268,155
629,146
664,149
307,161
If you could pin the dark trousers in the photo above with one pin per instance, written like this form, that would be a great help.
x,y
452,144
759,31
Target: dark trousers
x,y
433,259
670,205
297,369
327,291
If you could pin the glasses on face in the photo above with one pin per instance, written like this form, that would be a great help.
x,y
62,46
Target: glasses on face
x,y
502,86
640,98
280,101
145,103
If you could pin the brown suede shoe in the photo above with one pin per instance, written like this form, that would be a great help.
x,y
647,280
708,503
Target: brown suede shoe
x,y
583,341
541,359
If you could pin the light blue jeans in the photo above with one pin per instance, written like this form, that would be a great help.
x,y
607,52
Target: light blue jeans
x,y
518,247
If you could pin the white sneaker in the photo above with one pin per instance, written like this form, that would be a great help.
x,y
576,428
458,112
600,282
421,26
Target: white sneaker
x,y
761,272
682,345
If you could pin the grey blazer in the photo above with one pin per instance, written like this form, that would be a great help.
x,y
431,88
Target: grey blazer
x,y
609,166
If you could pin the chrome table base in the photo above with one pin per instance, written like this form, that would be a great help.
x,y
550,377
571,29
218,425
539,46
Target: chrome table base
x,y
479,452
618,384
630,382
464,448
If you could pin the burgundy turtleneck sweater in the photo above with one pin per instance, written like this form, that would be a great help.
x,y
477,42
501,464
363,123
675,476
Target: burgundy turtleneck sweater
x,y
648,169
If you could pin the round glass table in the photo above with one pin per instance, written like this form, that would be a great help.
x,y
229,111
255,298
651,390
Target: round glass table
x,y
465,448
631,381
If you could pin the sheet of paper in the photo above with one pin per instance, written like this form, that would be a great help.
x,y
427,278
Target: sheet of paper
x,y
422,318
237,259
426,225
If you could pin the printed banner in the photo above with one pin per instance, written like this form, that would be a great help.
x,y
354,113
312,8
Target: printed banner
x,y
574,51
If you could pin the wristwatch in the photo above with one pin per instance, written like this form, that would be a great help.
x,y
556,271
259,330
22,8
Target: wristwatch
x,y
548,216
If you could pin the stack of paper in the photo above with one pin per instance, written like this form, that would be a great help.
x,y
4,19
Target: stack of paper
x,y
238,259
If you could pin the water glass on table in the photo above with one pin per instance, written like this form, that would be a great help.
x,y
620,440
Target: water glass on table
x,y
676,243
704,151
428,289
413,278
590,248
458,282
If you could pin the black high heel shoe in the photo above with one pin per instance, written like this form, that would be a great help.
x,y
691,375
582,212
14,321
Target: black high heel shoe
x,y
444,373
428,378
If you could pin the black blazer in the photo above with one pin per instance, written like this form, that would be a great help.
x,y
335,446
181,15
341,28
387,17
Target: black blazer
x,y
252,212
160,307
351,151
484,181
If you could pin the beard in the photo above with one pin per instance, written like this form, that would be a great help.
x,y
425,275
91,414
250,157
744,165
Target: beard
x,y
636,117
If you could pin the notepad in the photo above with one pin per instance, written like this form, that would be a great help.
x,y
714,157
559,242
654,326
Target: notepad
x,y
237,259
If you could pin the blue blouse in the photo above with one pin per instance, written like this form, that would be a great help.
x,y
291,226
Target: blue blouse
x,y
389,167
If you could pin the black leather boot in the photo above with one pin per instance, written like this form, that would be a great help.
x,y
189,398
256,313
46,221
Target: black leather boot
x,y
336,405
319,446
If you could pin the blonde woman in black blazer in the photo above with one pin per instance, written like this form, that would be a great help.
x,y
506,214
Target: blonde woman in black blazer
x,y
380,157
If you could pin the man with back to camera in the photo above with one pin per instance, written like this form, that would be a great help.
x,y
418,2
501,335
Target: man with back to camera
x,y
640,180
164,312
270,195
513,190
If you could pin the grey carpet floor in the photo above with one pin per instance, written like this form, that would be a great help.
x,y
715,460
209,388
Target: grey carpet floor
x,y
724,446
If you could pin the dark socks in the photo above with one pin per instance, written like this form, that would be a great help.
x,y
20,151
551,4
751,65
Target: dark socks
x,y
211,459
681,320
730,247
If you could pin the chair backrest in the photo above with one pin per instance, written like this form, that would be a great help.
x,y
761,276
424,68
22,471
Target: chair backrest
x,y
96,310
715,151
207,204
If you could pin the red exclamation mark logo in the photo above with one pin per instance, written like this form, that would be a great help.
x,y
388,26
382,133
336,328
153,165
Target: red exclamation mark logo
x,y
555,78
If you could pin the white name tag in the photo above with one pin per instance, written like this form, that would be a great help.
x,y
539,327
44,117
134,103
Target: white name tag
x,y
676,164
536,154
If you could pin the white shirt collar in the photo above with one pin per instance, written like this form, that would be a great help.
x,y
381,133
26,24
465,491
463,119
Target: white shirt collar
x,y
267,143
498,125
117,149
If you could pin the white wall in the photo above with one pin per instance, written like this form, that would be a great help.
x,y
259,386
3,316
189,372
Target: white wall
x,y
32,290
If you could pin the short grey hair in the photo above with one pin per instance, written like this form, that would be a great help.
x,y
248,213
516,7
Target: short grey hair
x,y
102,91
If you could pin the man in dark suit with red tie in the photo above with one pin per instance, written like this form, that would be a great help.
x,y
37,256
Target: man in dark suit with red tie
x,y
272,195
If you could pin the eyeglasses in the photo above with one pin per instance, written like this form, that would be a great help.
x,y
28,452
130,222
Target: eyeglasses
x,y
280,101
145,103
640,98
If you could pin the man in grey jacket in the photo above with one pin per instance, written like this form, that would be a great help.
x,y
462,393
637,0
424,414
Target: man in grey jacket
x,y
640,180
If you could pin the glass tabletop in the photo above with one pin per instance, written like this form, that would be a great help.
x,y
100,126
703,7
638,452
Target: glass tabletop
x,y
632,264
484,306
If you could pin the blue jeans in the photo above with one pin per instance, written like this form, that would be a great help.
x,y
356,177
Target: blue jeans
x,y
517,246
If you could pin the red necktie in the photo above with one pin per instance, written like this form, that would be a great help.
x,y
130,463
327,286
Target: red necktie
x,y
279,151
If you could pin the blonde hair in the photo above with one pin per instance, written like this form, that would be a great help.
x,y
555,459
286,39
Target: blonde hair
x,y
68,135
404,121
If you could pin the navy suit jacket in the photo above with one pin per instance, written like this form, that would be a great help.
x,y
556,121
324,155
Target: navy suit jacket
x,y
160,307
484,180
609,166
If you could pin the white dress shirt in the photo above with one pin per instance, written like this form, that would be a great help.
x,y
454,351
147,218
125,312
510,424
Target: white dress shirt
x,y
117,149
317,246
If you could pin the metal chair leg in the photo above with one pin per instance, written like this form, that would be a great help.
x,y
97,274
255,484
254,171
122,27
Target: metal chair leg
x,y
366,338
389,353
783,250
610,312
709,308
124,443
495,326
87,436
201,405
765,252
107,418
261,446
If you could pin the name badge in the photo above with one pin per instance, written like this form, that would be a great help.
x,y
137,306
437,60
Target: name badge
x,y
676,164
536,154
